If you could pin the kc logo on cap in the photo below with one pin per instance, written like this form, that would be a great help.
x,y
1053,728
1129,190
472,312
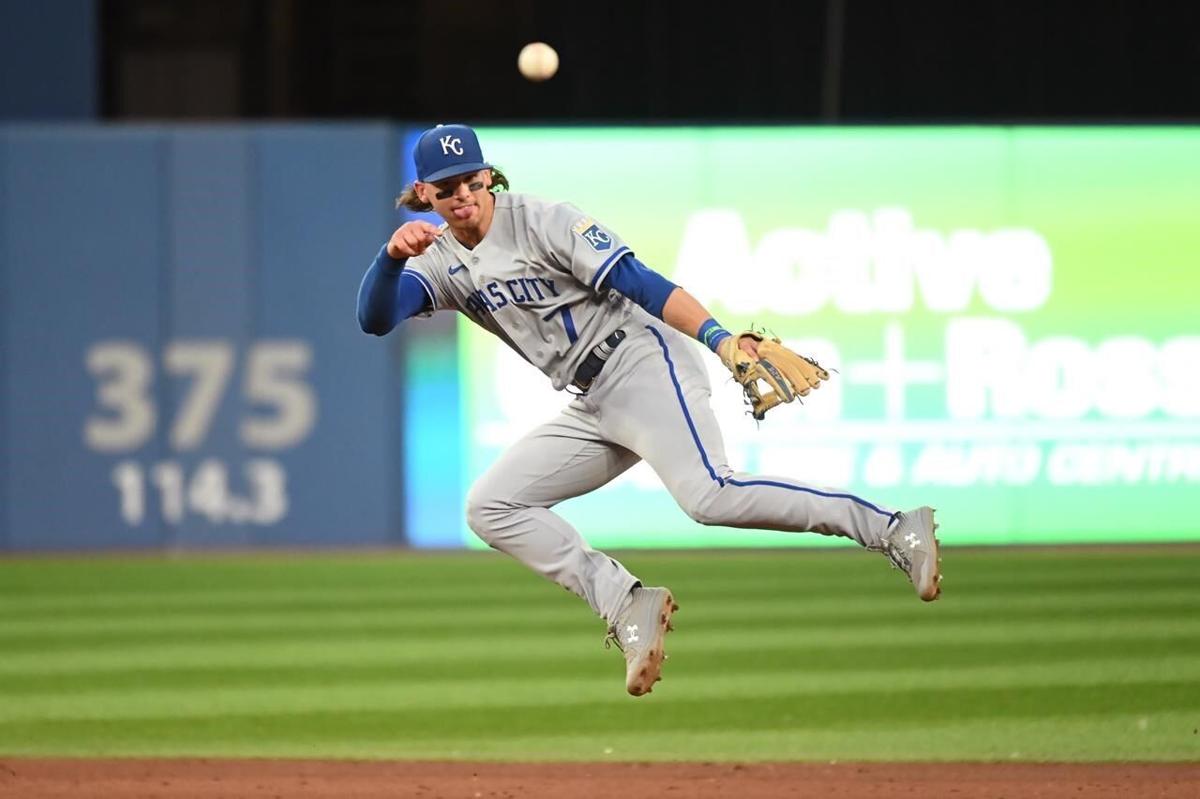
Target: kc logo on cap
x,y
446,151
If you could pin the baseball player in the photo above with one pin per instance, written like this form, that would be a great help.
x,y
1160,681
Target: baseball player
x,y
569,296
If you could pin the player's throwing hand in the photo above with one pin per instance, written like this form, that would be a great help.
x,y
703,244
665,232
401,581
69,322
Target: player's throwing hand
x,y
412,239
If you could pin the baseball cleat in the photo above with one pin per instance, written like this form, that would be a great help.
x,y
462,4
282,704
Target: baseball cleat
x,y
639,633
913,547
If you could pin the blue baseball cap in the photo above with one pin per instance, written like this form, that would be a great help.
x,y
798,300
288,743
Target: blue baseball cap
x,y
446,151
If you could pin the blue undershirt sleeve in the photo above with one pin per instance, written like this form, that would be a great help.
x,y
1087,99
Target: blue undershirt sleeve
x,y
384,300
640,283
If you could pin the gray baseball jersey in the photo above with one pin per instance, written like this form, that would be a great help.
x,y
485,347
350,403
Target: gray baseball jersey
x,y
533,281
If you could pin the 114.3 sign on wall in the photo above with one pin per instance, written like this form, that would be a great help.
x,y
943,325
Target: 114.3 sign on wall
x,y
279,412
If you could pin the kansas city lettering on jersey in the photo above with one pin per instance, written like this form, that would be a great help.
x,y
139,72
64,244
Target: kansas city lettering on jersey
x,y
518,291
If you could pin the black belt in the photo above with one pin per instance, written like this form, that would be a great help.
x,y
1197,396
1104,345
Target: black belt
x,y
596,359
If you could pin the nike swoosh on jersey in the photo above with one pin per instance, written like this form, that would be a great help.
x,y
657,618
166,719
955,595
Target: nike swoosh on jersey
x,y
454,270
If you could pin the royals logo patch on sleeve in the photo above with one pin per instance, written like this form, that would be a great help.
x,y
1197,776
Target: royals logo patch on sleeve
x,y
596,237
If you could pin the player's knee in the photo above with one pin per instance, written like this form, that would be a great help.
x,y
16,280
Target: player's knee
x,y
486,514
706,506
481,514
703,509
702,516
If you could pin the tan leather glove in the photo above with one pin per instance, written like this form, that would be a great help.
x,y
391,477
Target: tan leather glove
x,y
787,374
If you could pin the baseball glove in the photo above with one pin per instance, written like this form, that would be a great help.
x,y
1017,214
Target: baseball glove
x,y
786,374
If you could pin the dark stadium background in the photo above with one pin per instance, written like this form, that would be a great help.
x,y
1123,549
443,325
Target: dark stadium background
x,y
847,61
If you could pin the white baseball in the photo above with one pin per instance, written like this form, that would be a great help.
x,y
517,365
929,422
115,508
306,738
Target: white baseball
x,y
538,61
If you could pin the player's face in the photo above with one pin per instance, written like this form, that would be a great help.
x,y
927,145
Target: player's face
x,y
462,200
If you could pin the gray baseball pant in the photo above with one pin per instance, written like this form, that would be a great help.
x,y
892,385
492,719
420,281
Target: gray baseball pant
x,y
650,402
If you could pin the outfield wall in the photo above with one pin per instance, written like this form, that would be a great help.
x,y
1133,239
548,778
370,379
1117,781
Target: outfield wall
x,y
182,366
1013,313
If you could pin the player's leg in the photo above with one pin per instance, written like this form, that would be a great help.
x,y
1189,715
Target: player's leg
x,y
678,436
508,507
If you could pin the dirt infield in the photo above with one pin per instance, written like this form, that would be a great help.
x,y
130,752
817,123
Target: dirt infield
x,y
302,779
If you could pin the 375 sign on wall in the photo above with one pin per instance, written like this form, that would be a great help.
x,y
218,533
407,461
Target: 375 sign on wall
x,y
179,393
197,378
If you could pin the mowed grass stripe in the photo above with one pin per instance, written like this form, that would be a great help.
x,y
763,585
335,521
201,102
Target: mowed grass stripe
x,y
54,582
518,692
559,610
1122,737
489,570
67,632
580,659
347,647
910,710
541,597
587,660
233,599
315,570
537,597
448,634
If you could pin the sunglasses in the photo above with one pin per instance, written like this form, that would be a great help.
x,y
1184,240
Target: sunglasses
x,y
447,193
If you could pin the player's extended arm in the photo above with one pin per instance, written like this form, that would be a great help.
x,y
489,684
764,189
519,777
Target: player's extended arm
x,y
669,302
384,300
751,357
684,312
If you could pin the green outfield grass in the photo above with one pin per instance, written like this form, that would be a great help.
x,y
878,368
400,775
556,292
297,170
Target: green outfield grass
x,y
1032,654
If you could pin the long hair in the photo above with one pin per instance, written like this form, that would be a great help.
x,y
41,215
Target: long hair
x,y
408,198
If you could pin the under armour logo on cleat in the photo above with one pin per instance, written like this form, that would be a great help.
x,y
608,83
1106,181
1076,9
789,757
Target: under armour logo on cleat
x,y
631,633
912,540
